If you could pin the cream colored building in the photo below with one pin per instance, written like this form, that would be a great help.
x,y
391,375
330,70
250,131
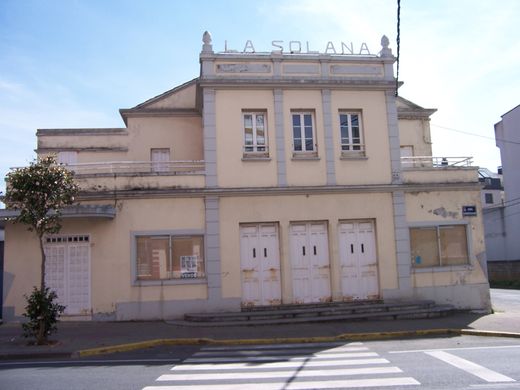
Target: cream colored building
x,y
272,178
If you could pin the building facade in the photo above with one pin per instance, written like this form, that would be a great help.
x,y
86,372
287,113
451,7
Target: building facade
x,y
502,220
272,178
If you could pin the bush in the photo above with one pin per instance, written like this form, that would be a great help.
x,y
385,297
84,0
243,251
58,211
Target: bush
x,y
42,313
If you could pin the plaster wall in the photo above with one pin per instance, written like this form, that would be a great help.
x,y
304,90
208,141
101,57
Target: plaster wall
x,y
183,98
416,133
286,209
375,168
300,171
437,208
232,169
111,247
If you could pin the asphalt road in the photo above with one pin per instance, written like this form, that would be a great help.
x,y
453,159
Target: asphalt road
x,y
464,362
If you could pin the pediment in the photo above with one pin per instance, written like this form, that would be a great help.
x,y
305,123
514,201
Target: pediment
x,y
180,97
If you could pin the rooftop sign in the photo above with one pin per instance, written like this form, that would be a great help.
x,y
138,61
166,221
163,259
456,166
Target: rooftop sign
x,y
303,47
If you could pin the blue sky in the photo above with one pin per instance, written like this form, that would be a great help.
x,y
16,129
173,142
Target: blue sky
x,y
74,63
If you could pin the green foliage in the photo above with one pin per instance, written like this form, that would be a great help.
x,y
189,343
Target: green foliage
x,y
42,312
40,191
510,284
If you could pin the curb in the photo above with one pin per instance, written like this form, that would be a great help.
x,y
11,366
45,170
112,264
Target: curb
x,y
282,340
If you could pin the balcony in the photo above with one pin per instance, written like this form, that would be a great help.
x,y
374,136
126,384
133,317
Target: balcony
x,y
138,175
429,169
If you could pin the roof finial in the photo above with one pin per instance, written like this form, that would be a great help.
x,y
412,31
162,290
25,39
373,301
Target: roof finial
x,y
206,39
385,51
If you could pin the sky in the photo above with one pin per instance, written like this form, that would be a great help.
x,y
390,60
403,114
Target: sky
x,y
75,63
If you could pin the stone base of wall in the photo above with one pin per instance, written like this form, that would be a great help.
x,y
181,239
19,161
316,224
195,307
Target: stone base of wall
x,y
504,271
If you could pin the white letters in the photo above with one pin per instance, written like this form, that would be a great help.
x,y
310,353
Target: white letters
x,y
330,46
295,47
249,45
299,45
349,49
364,47
311,51
277,44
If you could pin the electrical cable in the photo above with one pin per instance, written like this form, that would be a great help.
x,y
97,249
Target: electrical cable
x,y
476,135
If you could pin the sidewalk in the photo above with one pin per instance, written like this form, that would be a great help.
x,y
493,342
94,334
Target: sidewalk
x,y
76,338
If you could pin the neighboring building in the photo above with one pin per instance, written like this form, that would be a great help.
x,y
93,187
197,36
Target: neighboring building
x,y
272,178
502,222
2,235
492,193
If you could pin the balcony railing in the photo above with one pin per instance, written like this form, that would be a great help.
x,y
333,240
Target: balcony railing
x,y
415,162
138,167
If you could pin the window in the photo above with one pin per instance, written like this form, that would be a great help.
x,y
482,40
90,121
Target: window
x,y
164,257
303,132
160,160
351,134
489,198
67,158
255,133
438,246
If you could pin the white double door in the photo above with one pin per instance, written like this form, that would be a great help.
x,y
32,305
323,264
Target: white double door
x,y
310,262
357,250
260,265
68,272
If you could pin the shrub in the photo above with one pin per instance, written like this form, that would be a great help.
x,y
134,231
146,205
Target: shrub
x,y
43,313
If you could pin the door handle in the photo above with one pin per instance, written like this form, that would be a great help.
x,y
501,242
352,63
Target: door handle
x,y
351,248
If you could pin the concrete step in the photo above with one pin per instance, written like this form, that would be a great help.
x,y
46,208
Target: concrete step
x,y
288,306
297,311
398,311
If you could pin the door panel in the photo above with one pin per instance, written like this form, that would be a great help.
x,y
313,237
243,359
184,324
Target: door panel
x,y
68,273
310,263
359,277
260,265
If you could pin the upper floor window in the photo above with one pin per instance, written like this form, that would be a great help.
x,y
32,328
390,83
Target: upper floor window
x,y
351,133
304,136
489,198
160,159
255,133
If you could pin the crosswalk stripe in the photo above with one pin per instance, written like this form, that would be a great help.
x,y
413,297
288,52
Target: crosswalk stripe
x,y
347,383
230,359
296,364
249,352
282,346
470,367
280,374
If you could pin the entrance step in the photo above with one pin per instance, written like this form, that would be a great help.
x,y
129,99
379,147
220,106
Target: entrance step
x,y
290,314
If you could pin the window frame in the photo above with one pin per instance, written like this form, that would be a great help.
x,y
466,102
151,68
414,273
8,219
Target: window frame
x,y
304,152
351,145
171,235
159,166
438,228
255,152
489,198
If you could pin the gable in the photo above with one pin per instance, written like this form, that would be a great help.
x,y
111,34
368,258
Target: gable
x,y
182,97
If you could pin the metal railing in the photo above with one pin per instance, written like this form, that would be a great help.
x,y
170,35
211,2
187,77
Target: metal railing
x,y
436,162
184,167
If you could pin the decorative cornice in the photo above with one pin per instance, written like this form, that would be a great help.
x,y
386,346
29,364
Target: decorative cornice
x,y
81,132
157,112
82,149
273,191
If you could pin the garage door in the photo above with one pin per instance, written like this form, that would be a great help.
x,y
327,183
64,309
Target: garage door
x,y
68,272
310,262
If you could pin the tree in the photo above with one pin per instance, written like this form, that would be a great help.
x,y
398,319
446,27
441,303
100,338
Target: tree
x,y
40,191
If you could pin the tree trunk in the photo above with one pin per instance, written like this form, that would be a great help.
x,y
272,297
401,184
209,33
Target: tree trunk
x,y
41,338
42,251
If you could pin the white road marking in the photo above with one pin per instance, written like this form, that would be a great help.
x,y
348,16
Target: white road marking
x,y
347,383
291,364
257,352
470,367
229,359
280,374
456,349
